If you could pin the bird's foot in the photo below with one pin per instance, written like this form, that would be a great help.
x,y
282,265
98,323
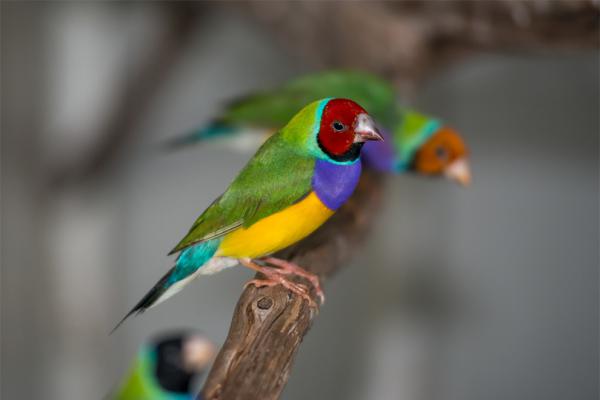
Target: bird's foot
x,y
289,268
293,287
273,276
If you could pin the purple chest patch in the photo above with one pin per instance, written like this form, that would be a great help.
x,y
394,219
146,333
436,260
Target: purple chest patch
x,y
380,155
333,183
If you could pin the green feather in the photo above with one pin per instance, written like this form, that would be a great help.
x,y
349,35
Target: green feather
x,y
412,131
140,383
276,107
278,176
273,108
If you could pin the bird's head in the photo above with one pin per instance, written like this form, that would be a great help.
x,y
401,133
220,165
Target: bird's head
x,y
337,130
423,145
179,358
444,153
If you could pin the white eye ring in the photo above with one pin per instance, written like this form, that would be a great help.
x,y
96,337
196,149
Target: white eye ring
x,y
338,126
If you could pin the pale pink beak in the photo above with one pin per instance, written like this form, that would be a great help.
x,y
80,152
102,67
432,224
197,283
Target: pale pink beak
x,y
459,171
365,129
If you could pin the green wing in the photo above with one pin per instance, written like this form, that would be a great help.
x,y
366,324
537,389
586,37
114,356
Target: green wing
x,y
274,108
275,178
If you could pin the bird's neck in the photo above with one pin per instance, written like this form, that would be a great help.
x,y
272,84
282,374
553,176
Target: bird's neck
x,y
335,183
410,136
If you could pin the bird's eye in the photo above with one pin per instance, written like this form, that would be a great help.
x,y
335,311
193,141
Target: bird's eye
x,y
338,126
441,153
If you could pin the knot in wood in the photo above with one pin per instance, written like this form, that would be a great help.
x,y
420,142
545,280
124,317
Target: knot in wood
x,y
264,303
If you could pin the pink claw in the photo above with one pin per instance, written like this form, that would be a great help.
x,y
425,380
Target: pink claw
x,y
289,268
276,279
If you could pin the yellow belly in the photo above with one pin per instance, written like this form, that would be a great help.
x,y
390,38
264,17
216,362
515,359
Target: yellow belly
x,y
277,231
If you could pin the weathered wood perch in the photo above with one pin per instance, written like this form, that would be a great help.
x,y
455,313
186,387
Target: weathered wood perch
x,y
404,41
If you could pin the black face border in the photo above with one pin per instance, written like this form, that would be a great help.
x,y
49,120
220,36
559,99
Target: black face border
x,y
169,366
351,155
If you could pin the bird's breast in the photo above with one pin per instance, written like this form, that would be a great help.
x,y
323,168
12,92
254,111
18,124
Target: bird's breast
x,y
335,183
277,231
332,185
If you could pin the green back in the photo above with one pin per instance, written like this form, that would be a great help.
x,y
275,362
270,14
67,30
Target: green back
x,y
275,107
278,175
410,133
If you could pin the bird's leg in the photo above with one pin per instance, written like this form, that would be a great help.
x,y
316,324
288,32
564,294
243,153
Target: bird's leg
x,y
287,268
274,277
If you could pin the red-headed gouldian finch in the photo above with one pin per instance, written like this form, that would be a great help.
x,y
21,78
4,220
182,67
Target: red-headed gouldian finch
x,y
414,142
294,183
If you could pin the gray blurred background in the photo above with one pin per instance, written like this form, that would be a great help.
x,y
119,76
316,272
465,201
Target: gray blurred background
x,y
485,293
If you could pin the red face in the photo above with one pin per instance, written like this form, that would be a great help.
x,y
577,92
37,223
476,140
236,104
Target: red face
x,y
338,136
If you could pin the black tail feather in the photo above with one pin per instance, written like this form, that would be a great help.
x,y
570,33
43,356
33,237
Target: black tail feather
x,y
179,142
148,300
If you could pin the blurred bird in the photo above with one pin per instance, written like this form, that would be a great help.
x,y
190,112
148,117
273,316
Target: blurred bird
x,y
417,143
298,178
166,368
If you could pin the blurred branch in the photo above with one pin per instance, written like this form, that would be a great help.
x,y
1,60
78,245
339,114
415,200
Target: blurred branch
x,y
405,41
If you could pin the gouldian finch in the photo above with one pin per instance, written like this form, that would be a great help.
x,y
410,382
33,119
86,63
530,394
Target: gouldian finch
x,y
297,179
414,142
166,367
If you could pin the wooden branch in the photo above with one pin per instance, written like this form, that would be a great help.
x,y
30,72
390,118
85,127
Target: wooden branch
x,y
269,323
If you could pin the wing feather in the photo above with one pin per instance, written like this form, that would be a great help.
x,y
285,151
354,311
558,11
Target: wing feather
x,y
274,179
275,107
